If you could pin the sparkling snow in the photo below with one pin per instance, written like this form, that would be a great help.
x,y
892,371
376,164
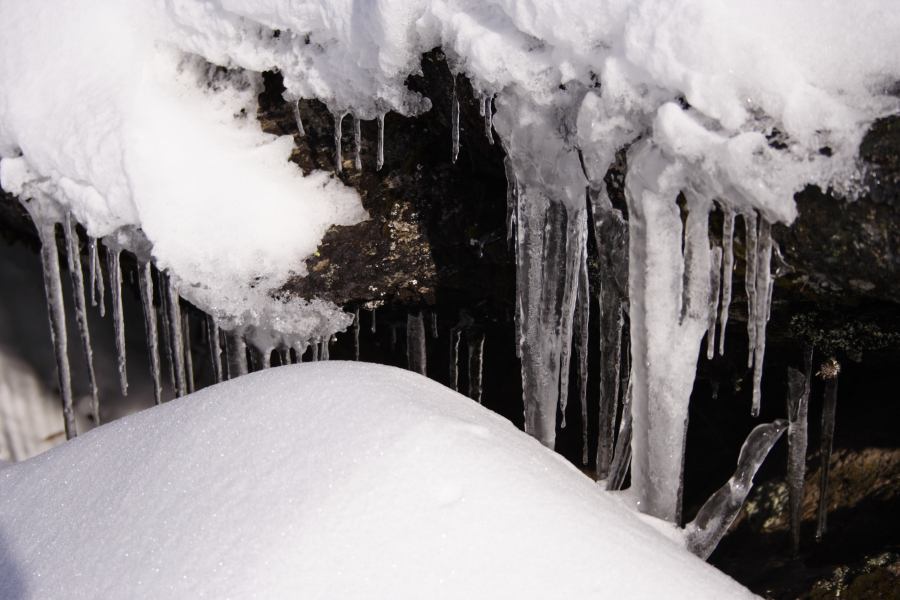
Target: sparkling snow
x,y
326,480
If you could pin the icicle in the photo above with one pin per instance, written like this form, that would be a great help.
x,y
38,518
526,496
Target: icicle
x,y
379,156
284,355
415,343
324,353
338,158
721,509
115,285
356,326
92,269
173,304
798,410
618,468
57,314
236,352
610,235
98,281
455,334
372,329
761,313
314,351
357,144
145,284
73,252
751,256
570,299
580,337
727,271
829,372
512,197
165,329
715,282
297,118
434,325
488,113
267,357
215,349
454,124
188,356
299,350
475,340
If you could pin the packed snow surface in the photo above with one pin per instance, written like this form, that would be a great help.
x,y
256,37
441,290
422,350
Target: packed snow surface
x,y
326,480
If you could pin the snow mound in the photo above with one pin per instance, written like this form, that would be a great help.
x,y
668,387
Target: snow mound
x,y
327,480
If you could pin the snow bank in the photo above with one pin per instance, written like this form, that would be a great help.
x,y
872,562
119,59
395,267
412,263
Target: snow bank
x,y
326,480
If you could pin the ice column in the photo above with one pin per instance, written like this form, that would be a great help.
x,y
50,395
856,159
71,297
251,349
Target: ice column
x,y
610,235
73,252
669,316
379,154
297,118
338,154
798,409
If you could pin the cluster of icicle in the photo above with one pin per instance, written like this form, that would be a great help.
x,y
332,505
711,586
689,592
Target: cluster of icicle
x,y
167,322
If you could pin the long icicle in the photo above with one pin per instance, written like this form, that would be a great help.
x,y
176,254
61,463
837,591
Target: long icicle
x,y
188,355
829,372
488,118
357,144
715,282
475,339
761,314
92,269
356,326
454,124
145,283
173,304
581,340
727,271
57,313
215,348
618,468
73,252
165,329
338,154
798,438
379,154
750,256
98,280
114,266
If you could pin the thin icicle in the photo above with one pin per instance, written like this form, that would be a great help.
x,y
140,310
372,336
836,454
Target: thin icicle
x,y
215,348
173,304
488,113
829,372
415,343
356,326
715,282
750,256
455,334
618,468
475,340
761,313
721,509
57,313
580,338
188,355
73,252
165,328
434,325
374,323
357,144
301,131
101,291
338,154
92,269
798,438
314,351
145,283
379,156
727,271
512,197
114,267
454,124
610,234
570,299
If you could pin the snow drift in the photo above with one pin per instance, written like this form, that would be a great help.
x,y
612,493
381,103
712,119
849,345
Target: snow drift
x,y
327,480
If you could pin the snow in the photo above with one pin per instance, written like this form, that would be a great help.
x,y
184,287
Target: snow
x,y
327,480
